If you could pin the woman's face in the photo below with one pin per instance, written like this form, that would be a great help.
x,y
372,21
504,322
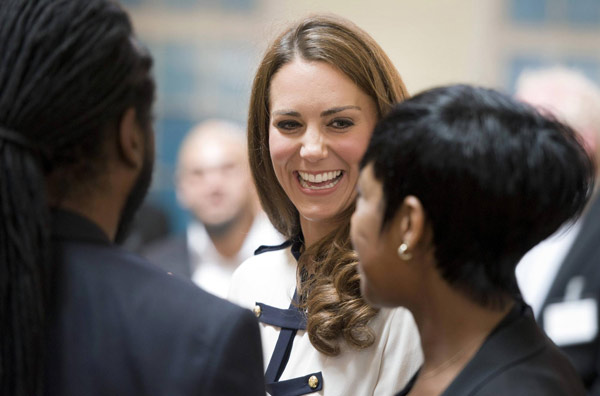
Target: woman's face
x,y
382,274
320,125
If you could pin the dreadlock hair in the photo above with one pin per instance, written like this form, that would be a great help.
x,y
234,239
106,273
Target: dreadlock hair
x,y
68,71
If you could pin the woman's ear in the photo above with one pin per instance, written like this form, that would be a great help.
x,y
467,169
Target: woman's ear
x,y
409,222
130,139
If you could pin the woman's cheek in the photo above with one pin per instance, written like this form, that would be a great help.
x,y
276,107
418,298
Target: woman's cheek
x,y
281,149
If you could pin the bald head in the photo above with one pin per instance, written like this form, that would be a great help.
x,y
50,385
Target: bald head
x,y
215,140
213,177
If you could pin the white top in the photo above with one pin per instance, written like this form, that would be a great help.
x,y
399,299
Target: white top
x,y
210,270
382,369
538,267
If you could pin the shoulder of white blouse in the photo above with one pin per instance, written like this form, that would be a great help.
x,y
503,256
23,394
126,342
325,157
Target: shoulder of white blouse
x,y
401,324
256,272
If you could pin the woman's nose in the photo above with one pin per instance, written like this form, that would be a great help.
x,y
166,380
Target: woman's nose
x,y
314,147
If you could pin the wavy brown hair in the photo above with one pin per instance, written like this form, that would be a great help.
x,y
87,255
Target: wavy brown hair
x,y
328,282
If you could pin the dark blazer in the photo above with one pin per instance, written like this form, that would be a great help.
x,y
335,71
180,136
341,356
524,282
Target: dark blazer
x,y
150,224
120,326
170,254
582,260
516,359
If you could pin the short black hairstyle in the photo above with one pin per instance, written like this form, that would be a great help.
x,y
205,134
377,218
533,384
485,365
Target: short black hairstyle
x,y
494,176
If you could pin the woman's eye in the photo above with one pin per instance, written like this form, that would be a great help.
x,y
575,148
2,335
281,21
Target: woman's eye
x,y
288,125
341,123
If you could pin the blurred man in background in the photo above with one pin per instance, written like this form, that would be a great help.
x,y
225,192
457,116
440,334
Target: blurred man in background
x,y
213,183
560,277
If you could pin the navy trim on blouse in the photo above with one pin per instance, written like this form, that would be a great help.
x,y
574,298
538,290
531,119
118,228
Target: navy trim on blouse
x,y
266,248
296,386
290,320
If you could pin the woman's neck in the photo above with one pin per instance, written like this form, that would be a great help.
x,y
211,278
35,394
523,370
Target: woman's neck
x,y
452,329
314,231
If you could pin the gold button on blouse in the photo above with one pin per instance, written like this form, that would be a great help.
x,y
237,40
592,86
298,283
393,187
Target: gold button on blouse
x,y
257,310
313,382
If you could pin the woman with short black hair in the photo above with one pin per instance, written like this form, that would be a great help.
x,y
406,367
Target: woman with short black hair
x,y
456,185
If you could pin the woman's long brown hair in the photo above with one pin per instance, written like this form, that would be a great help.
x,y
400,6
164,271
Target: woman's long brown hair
x,y
328,281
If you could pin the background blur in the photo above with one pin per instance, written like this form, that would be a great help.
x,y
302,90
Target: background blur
x,y
206,52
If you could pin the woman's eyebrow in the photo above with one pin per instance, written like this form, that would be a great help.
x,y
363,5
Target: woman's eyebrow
x,y
286,113
338,109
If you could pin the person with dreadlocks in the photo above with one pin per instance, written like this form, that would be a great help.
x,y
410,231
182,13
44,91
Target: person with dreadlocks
x,y
78,315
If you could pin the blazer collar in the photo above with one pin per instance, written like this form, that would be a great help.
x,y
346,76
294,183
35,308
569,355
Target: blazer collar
x,y
515,338
71,226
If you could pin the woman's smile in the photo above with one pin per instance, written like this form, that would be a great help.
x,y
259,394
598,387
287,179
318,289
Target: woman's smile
x,y
322,181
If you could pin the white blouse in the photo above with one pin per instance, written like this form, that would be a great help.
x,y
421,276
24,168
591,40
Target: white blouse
x,y
381,369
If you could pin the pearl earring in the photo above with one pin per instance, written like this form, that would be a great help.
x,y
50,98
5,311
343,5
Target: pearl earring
x,y
403,252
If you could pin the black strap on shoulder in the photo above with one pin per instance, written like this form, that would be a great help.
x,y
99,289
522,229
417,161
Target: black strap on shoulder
x,y
296,242
267,248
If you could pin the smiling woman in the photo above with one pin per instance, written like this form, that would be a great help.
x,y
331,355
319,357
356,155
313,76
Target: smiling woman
x,y
318,92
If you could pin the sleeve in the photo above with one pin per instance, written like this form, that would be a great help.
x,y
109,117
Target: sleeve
x,y
402,355
237,368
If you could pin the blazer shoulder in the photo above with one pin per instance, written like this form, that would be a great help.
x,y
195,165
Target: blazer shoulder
x,y
166,251
546,373
237,365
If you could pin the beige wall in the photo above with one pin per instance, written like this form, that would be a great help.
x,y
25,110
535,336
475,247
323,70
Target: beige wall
x,y
431,42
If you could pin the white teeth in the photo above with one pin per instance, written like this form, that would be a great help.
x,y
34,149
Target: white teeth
x,y
319,178
305,185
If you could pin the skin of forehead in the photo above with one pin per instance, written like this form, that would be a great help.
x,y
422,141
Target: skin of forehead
x,y
212,145
305,68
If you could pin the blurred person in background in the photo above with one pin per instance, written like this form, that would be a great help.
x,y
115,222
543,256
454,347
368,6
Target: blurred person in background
x,y
447,206
318,92
213,183
560,277
79,315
